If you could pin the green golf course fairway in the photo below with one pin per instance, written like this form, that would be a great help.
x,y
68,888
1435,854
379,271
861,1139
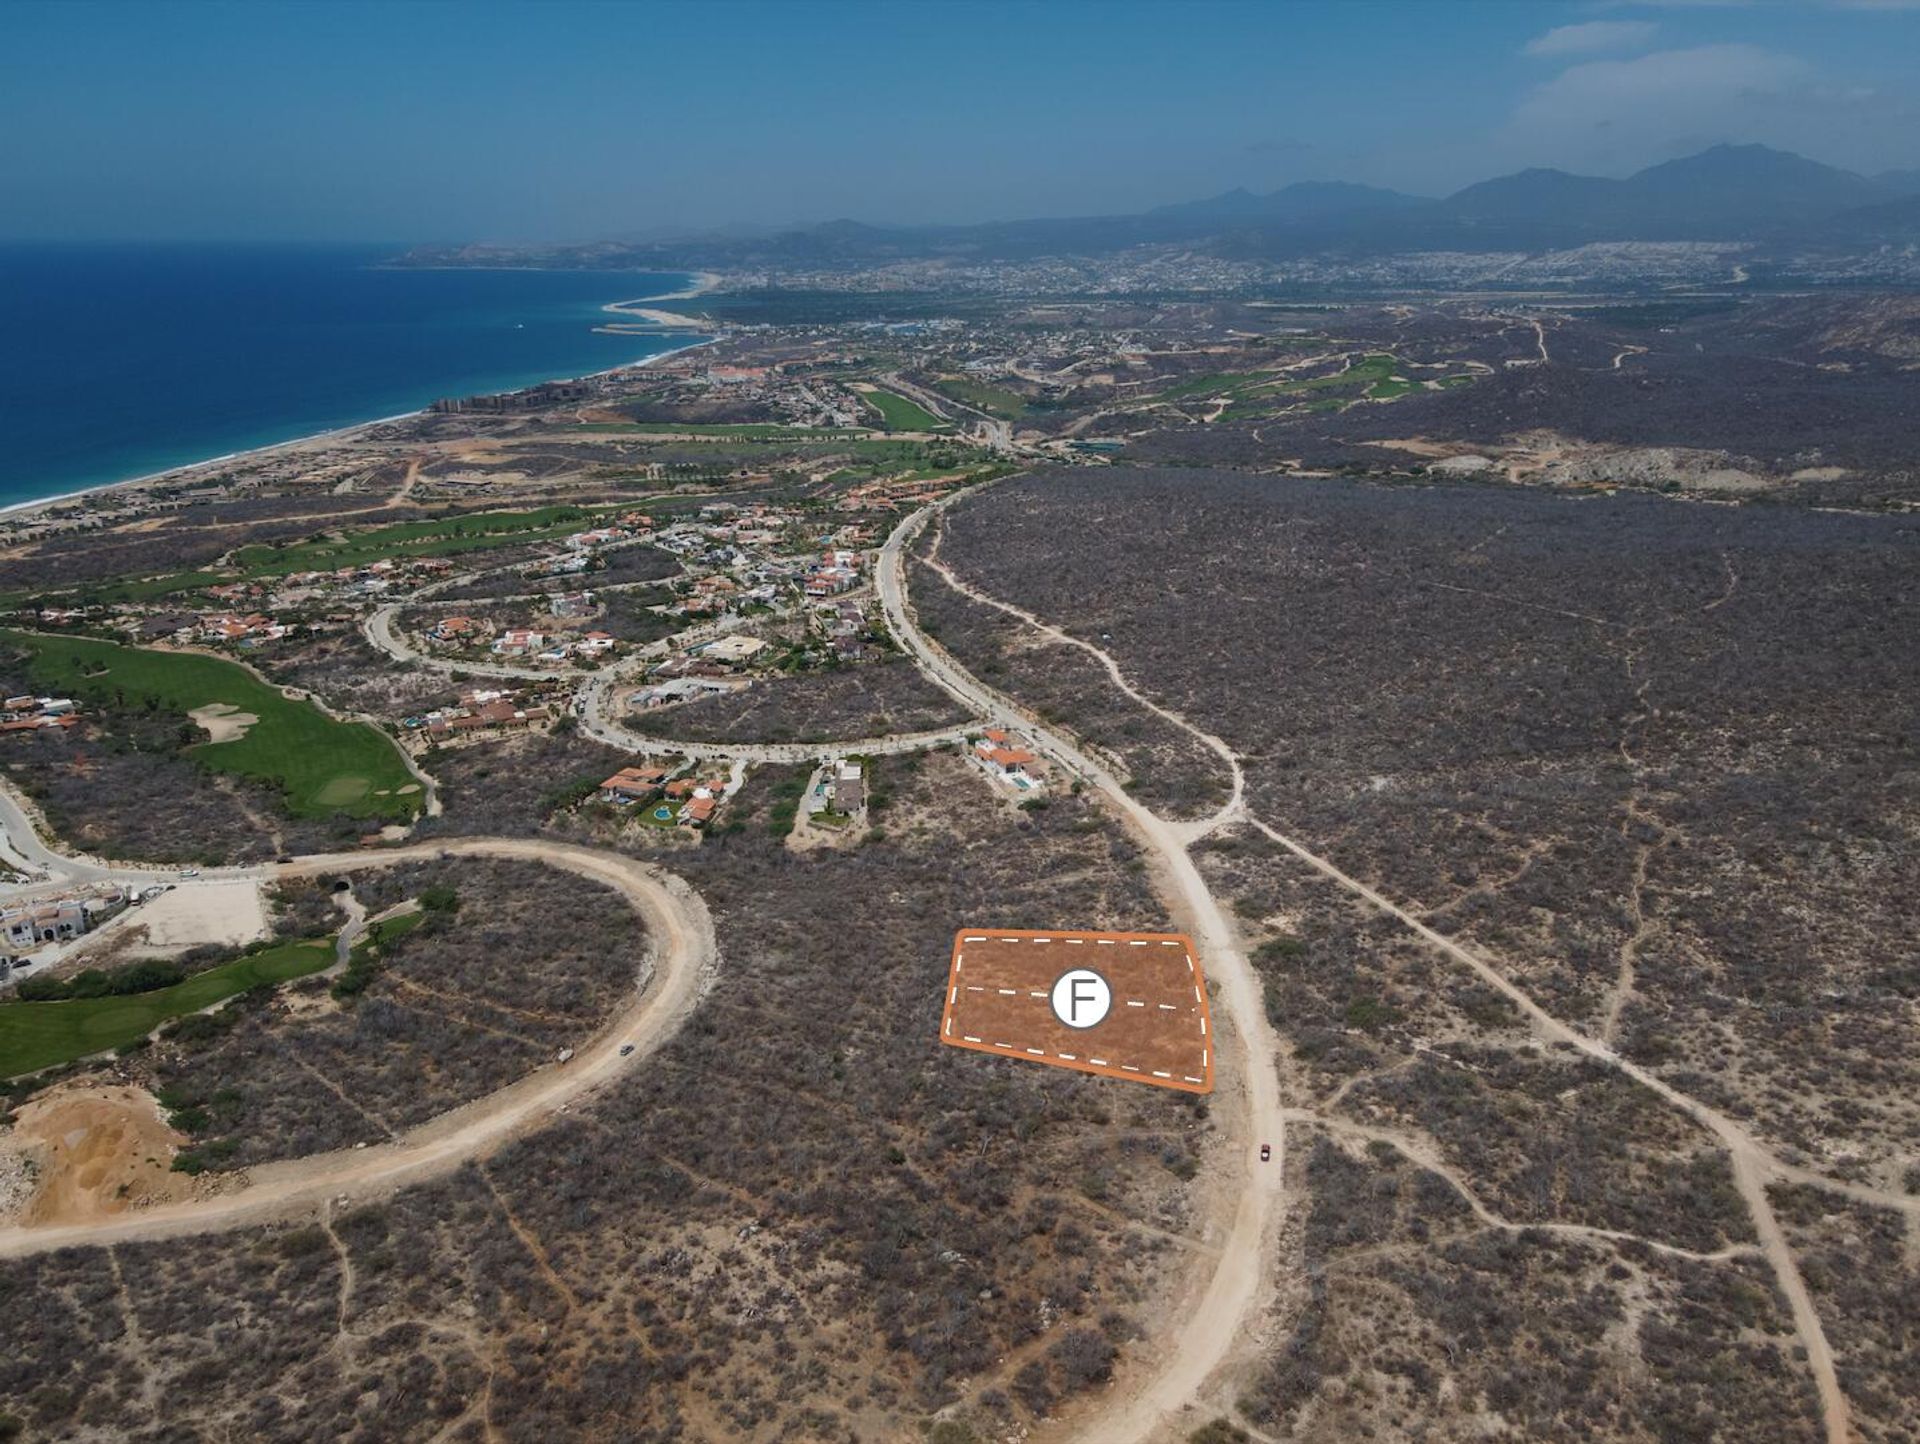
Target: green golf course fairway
x,y
322,766
42,1035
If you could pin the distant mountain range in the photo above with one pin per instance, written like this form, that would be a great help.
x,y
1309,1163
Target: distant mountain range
x,y
1728,193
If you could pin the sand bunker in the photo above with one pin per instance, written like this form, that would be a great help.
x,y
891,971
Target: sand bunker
x,y
224,721
96,1151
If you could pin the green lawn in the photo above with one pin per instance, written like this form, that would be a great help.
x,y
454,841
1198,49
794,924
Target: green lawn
x,y
1214,383
324,766
994,400
899,414
43,1035
477,531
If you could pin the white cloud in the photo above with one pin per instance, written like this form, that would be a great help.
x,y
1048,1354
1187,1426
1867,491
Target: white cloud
x,y
1734,91
1593,37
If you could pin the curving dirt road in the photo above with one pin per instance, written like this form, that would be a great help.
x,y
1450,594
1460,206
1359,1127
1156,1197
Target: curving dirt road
x,y
1218,1319
683,959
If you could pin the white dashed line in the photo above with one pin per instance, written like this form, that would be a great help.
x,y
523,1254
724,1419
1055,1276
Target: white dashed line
x,y
1129,1068
1038,1052
1166,1007
1136,942
1071,1058
1104,942
978,938
1135,1003
1158,1074
1203,1027
1191,1079
968,1038
1010,992
1098,1062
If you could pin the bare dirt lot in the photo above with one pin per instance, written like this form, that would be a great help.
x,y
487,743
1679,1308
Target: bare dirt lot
x,y
95,1150
1153,1020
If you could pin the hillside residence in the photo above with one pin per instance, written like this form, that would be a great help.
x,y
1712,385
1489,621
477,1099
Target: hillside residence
x,y
518,641
458,629
848,790
56,920
632,784
683,689
1004,755
830,582
498,713
733,651
598,537
226,627
30,714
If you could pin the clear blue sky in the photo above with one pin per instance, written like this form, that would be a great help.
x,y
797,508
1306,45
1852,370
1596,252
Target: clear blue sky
x,y
443,121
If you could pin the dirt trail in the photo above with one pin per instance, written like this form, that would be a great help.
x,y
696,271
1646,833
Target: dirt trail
x,y
1206,1342
683,957
1753,1167
1194,830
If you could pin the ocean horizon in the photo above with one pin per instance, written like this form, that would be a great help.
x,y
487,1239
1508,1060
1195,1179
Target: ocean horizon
x,y
121,361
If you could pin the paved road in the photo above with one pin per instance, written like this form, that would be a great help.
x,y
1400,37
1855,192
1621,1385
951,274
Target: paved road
x,y
597,721
379,630
47,870
1222,1316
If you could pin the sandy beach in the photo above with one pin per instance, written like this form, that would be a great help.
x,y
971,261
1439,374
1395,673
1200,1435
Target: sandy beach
x,y
705,281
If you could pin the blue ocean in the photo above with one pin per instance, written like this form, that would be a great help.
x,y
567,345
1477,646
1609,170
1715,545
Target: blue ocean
x,y
117,361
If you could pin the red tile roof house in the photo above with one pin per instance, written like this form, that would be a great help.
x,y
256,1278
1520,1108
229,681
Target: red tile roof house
x,y
699,812
632,784
448,628
1009,759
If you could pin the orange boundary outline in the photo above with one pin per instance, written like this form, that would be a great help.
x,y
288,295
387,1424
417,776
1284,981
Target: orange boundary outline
x,y
1080,1065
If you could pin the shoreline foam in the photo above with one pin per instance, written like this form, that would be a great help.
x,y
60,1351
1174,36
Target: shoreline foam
x,y
704,282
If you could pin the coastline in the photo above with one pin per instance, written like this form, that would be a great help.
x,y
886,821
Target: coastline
x,y
704,281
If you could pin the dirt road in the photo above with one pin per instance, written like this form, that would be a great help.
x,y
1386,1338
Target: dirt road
x,y
682,963
1219,1315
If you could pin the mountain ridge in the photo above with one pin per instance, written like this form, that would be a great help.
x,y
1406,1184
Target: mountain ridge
x,y
1746,193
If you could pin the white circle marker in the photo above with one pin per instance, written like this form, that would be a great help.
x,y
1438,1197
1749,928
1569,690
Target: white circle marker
x,y
1080,998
